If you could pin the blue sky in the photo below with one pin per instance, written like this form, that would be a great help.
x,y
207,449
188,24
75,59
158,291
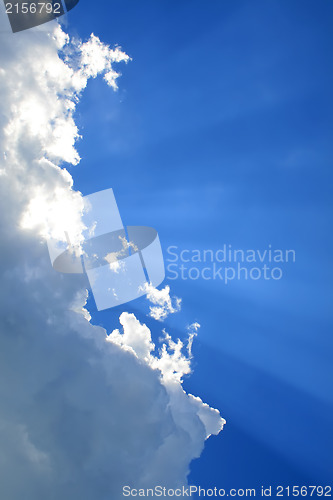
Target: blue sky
x,y
221,133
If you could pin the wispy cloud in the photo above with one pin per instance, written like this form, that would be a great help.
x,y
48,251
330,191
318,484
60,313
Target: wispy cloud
x,y
164,304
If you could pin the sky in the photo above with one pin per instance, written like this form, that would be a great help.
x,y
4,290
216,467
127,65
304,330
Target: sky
x,y
220,133
223,124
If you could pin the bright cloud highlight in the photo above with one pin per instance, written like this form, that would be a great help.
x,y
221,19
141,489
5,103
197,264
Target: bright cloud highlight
x,y
164,304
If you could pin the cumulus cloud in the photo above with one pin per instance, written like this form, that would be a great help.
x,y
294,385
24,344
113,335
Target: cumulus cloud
x,y
80,416
197,419
171,361
164,304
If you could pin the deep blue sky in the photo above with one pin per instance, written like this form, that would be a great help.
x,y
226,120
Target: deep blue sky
x,y
221,133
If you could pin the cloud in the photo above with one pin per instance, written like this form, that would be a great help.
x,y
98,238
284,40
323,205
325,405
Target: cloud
x,y
195,420
163,303
171,362
193,332
80,417
135,338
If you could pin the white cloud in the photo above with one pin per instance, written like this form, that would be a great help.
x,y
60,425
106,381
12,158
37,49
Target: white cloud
x,y
135,337
192,333
172,364
79,416
163,303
